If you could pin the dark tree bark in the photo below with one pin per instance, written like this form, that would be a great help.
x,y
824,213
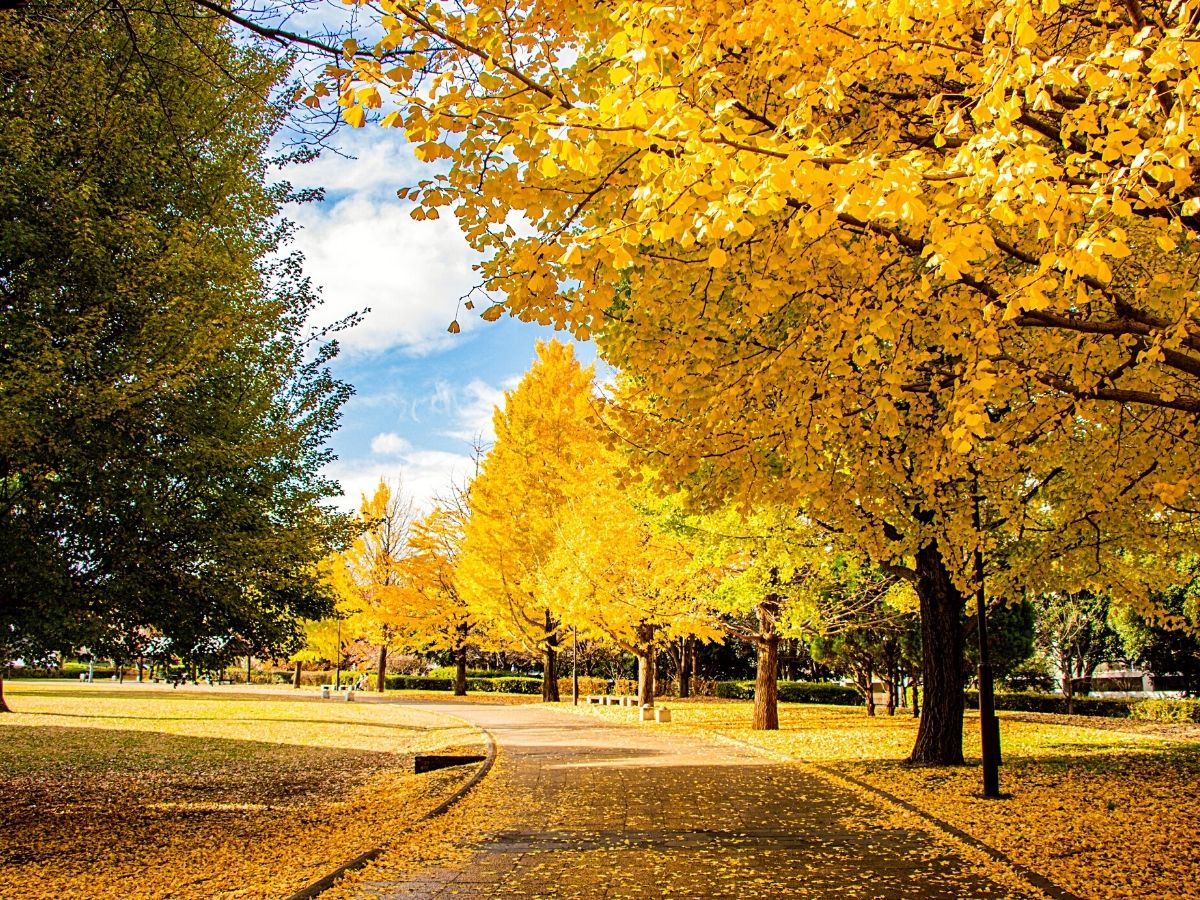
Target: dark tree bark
x,y
381,672
766,680
893,690
939,737
916,701
685,667
646,664
869,684
296,675
460,672
3,706
550,669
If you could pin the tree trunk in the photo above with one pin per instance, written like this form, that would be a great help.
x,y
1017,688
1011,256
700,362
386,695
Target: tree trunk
x,y
685,667
939,737
296,675
3,706
766,680
916,697
766,684
869,677
892,691
248,661
381,674
550,669
646,664
460,671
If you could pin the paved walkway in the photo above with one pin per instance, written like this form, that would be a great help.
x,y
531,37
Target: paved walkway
x,y
610,811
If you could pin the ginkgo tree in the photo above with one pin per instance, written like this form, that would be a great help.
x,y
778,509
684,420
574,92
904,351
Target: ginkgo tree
x,y
434,612
545,434
621,574
366,576
928,266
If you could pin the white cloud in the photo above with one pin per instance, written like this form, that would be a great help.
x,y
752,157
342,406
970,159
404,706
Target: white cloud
x,y
376,160
389,444
424,475
474,405
367,253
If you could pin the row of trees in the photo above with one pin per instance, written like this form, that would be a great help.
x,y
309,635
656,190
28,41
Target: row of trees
x,y
163,405
557,536
928,276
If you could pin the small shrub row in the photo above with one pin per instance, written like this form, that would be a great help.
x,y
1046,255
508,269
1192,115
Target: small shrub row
x,y
794,692
1166,710
448,672
587,685
1028,701
506,685
509,684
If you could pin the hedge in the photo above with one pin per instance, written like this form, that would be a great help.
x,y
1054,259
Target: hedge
x,y
1028,701
448,672
506,685
1166,710
509,684
794,692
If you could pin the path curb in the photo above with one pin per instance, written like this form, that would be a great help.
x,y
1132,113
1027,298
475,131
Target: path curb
x,y
326,882
1032,877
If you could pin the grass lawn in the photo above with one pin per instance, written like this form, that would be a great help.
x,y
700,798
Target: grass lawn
x,y
1103,811
139,792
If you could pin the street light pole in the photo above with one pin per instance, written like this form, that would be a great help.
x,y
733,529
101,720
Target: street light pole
x,y
989,725
574,666
337,666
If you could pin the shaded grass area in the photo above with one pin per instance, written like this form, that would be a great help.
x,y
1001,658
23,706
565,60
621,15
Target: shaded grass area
x,y
1104,813
141,792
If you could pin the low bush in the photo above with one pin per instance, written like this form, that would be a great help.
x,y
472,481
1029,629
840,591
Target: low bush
x,y
448,672
418,683
794,692
1029,701
1165,710
587,685
508,684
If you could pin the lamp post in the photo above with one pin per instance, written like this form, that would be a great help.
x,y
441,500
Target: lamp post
x,y
574,666
337,666
989,725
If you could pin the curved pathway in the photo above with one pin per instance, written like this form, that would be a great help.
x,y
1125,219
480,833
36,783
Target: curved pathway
x,y
626,811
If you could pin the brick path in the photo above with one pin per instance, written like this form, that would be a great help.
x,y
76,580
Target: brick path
x,y
609,811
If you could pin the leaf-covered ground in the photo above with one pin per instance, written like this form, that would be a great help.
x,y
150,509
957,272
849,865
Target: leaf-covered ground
x,y
136,792
1105,811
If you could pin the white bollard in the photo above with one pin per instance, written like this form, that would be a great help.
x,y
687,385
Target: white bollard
x,y
349,696
662,714
324,692
647,713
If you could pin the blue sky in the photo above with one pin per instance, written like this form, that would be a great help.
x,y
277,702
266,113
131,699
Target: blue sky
x,y
423,396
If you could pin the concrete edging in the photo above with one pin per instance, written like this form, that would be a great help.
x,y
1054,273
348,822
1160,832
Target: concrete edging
x,y
326,882
1033,878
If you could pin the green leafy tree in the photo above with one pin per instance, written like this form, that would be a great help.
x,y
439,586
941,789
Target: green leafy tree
x,y
1167,644
164,408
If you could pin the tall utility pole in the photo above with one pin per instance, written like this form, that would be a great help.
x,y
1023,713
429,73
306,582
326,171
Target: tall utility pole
x,y
337,666
574,666
989,725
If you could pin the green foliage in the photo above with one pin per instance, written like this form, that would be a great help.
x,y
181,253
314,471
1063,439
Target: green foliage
x,y
1011,632
506,685
164,409
1028,701
1166,710
448,672
502,685
1170,644
794,692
